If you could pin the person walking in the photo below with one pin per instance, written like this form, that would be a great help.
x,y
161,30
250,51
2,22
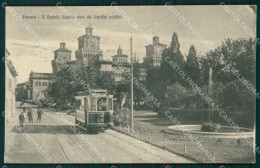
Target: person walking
x,y
39,112
21,119
30,117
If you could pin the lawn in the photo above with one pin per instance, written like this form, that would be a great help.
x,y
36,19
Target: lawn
x,y
226,150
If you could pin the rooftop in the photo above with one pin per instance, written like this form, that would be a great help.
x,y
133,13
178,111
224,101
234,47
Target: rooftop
x,y
120,55
62,50
41,75
156,44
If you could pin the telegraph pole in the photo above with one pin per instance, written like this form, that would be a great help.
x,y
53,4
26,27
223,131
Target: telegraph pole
x,y
132,87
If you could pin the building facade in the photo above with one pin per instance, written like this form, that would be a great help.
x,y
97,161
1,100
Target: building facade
x,y
40,82
22,92
154,52
10,85
108,68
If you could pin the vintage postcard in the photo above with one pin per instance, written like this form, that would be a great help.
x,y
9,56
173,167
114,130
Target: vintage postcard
x,y
130,84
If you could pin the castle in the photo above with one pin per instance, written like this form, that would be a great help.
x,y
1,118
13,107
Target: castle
x,y
89,53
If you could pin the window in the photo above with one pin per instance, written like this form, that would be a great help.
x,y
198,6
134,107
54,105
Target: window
x,y
78,104
39,83
36,83
102,104
93,104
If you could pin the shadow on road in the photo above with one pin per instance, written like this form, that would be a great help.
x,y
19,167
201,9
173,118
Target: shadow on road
x,y
47,129
52,129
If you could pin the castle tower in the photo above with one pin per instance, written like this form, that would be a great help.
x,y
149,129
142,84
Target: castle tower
x,y
61,54
120,57
119,51
88,48
154,52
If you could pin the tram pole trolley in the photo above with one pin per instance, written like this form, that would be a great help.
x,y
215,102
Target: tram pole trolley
x,y
94,110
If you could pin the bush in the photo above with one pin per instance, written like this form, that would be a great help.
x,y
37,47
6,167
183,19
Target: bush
x,y
120,116
210,127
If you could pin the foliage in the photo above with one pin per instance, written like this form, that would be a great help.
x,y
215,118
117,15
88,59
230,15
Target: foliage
x,y
63,89
239,54
210,127
192,68
121,117
237,97
158,78
177,95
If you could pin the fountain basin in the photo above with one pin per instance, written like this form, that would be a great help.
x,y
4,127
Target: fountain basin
x,y
226,131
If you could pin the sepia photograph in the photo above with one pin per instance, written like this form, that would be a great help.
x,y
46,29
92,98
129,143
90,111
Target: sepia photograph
x,y
130,84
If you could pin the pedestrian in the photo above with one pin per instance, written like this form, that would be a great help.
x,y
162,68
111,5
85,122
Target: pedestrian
x,y
30,117
21,119
39,112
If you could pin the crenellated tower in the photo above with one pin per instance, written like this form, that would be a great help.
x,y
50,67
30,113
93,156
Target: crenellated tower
x,y
88,51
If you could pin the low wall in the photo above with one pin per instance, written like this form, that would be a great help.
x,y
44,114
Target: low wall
x,y
195,130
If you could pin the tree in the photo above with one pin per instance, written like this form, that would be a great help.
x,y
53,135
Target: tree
x,y
159,78
232,55
192,65
177,95
105,81
237,97
154,85
64,89
171,55
123,87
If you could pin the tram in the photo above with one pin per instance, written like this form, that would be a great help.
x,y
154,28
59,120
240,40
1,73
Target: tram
x,y
94,110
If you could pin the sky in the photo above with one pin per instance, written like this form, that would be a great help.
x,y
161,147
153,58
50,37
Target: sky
x,y
27,54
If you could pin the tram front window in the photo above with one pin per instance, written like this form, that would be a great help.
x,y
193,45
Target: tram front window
x,y
78,104
102,104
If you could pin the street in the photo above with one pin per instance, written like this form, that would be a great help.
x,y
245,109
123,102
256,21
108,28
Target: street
x,y
56,135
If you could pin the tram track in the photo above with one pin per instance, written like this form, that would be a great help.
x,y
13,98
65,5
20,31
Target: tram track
x,y
115,144
59,145
73,139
